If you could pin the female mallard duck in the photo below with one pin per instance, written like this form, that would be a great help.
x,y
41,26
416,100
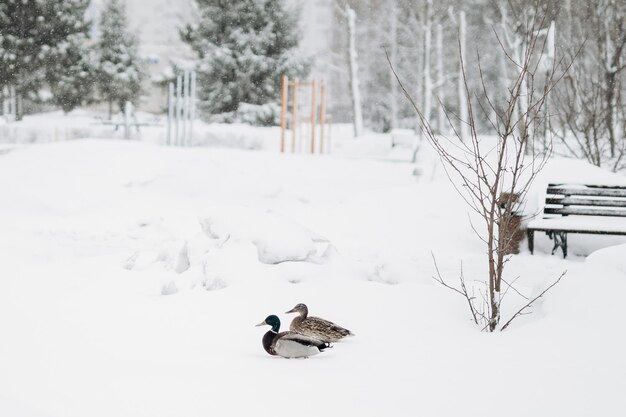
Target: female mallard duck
x,y
289,344
321,329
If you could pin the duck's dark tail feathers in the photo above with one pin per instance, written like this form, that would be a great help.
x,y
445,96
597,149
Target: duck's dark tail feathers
x,y
324,346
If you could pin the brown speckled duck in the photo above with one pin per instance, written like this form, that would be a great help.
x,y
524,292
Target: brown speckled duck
x,y
315,327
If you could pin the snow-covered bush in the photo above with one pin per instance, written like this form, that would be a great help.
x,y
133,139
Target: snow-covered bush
x,y
252,114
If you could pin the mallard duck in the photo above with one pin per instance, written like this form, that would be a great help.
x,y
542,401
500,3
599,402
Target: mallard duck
x,y
289,344
315,327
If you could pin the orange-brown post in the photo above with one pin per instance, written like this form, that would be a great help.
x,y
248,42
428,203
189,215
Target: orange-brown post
x,y
294,115
283,111
322,114
313,115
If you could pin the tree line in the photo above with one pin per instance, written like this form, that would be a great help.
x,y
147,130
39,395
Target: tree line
x,y
48,57
586,114
243,47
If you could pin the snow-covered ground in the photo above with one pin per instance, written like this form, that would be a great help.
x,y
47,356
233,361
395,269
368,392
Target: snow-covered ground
x,y
132,275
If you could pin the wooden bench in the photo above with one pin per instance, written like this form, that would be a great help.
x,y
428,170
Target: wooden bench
x,y
578,208
403,137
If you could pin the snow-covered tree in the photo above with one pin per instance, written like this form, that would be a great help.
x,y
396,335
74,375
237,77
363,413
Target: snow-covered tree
x,y
243,48
72,77
34,39
120,71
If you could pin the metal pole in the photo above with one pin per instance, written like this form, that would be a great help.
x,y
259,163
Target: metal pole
x,y
5,103
185,111
12,104
179,105
170,112
128,109
192,106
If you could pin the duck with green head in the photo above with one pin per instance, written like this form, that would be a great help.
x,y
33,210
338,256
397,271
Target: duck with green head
x,y
289,344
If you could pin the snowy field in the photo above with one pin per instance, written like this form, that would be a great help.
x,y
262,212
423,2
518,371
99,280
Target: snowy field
x,y
132,276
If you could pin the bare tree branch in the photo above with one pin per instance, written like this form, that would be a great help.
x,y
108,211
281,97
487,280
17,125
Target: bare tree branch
x,y
530,303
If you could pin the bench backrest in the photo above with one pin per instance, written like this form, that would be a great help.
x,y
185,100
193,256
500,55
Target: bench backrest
x,y
585,200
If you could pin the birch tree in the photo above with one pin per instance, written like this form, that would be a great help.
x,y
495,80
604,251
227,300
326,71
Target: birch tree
x,y
393,53
428,81
461,82
353,71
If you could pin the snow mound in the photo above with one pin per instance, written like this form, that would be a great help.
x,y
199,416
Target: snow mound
x,y
613,257
234,245
277,238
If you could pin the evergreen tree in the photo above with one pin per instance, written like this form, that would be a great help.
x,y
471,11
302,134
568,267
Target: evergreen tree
x,y
244,47
72,78
34,35
120,72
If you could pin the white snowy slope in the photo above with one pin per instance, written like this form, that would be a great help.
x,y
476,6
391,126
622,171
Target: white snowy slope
x,y
132,275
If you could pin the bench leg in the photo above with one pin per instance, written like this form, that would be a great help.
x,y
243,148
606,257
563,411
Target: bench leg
x,y
560,241
531,240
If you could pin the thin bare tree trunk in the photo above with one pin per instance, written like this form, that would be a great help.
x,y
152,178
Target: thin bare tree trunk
x,y
428,81
441,114
357,111
463,111
393,51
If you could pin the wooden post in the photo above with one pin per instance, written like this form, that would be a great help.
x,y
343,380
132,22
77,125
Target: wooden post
x,y
322,114
294,115
283,111
313,115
